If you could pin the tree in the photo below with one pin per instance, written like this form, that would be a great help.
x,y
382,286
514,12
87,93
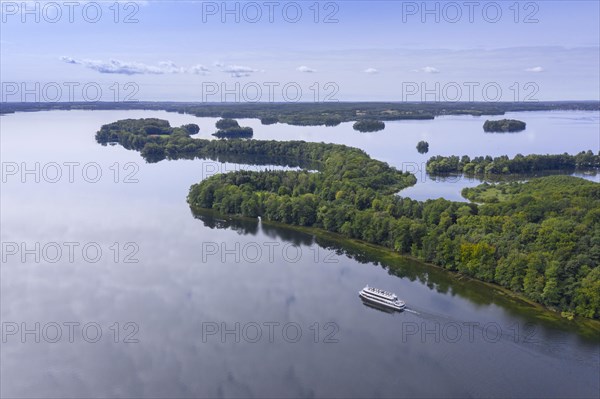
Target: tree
x,y
226,123
423,147
153,152
587,297
191,128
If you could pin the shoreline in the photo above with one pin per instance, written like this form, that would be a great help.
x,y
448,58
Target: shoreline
x,y
510,301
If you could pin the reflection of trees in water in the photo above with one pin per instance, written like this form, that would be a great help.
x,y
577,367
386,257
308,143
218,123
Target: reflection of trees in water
x,y
245,159
434,278
213,220
289,235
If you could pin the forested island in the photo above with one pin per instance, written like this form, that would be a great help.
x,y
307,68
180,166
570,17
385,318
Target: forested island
x,y
520,164
368,126
230,128
504,126
175,143
540,239
423,147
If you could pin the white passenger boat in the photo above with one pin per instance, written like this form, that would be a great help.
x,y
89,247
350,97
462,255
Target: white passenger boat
x,y
382,298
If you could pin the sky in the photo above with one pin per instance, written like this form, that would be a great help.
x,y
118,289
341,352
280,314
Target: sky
x,y
249,51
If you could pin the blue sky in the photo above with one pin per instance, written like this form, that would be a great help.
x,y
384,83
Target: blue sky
x,y
368,50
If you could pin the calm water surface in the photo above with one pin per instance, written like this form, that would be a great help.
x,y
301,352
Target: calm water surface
x,y
302,330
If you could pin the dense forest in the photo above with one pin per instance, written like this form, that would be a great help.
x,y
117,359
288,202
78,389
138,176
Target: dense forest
x,y
540,239
520,164
504,126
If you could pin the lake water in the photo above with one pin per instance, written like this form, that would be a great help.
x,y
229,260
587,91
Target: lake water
x,y
226,308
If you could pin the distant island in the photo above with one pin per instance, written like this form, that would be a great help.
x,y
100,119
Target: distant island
x,y
423,147
151,128
368,126
504,126
231,129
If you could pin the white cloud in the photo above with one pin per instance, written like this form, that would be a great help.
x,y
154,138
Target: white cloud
x,y
306,69
371,71
134,68
239,71
170,67
427,69
69,60
117,67
536,69
199,70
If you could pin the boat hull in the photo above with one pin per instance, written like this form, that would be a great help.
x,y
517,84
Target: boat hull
x,y
376,306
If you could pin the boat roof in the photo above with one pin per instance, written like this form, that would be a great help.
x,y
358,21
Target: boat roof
x,y
380,292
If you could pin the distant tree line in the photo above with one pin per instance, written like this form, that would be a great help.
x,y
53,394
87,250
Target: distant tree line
x,y
314,114
520,164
